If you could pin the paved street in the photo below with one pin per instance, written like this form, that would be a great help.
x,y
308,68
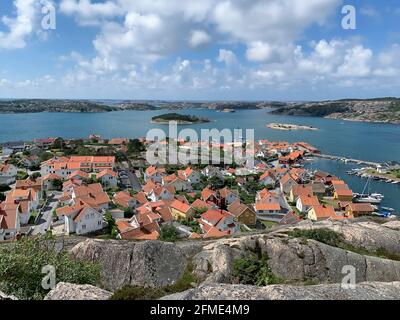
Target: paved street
x,y
43,221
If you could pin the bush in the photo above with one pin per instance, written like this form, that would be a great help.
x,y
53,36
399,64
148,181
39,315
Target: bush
x,y
254,271
4,187
21,266
2,196
326,236
168,233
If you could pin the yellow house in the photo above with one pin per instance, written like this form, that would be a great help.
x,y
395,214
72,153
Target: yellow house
x,y
181,210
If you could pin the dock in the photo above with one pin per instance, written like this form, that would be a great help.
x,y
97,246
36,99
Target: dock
x,y
347,160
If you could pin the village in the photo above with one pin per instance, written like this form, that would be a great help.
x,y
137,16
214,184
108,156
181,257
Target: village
x,y
102,188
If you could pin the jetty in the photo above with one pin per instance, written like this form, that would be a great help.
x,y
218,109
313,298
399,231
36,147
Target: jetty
x,y
347,160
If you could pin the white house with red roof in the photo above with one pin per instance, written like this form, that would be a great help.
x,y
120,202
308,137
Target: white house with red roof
x,y
192,175
223,220
10,223
154,174
8,172
80,219
161,193
108,178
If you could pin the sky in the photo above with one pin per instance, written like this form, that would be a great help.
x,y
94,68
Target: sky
x,y
287,50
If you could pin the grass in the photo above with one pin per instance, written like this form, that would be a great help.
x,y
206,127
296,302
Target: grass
x,y
269,224
144,293
334,239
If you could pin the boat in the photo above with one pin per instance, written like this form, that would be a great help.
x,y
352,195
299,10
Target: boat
x,y
373,198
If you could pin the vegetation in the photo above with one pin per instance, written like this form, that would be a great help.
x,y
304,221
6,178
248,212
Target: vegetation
x,y
141,293
135,146
168,233
21,175
254,271
178,117
4,188
111,228
2,196
21,266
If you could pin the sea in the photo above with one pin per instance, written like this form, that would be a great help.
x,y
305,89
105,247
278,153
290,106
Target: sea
x,y
357,140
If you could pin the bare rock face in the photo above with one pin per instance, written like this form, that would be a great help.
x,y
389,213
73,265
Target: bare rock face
x,y
4,296
362,291
366,234
69,291
148,264
291,259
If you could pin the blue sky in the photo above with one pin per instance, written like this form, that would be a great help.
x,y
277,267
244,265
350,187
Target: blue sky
x,y
199,50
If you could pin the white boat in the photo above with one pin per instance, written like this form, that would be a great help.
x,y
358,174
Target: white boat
x,y
367,199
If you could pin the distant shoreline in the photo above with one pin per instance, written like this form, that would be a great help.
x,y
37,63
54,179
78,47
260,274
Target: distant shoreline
x,y
290,127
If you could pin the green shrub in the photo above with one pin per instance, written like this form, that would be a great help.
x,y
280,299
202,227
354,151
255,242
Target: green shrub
x,y
326,236
254,271
21,266
168,233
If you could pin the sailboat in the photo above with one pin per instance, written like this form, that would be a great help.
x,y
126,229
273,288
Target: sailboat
x,y
374,198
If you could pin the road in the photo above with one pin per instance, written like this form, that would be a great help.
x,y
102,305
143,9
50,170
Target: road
x,y
43,221
133,179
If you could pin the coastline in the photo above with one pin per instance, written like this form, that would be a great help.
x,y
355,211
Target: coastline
x,y
290,127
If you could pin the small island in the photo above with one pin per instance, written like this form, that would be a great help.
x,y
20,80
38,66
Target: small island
x,y
289,127
179,118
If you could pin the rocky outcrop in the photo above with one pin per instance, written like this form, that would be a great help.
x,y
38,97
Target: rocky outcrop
x,y
362,291
148,264
69,291
291,259
4,296
367,234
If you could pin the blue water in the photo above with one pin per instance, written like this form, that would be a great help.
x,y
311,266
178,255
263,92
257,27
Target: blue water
x,y
366,141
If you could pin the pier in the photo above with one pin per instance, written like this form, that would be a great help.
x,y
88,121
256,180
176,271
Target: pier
x,y
346,160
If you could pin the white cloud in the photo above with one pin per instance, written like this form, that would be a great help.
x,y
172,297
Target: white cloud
x,y
19,27
356,62
199,38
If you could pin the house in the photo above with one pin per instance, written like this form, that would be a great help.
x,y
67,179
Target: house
x,y
200,204
213,172
305,202
92,195
209,195
48,182
267,208
243,213
8,173
181,210
119,141
64,166
322,212
161,193
108,178
10,224
78,174
30,161
154,174
222,220
228,196
359,209
299,190
125,200
287,182
318,188
343,194
44,143
27,199
324,177
178,182
80,218
138,230
268,179
193,176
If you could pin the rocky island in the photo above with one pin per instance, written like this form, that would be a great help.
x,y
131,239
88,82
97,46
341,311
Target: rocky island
x,y
180,118
380,110
289,127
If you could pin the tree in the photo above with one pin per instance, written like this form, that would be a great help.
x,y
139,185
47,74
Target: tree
x,y
135,146
168,233
36,175
111,225
58,144
57,184
2,196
